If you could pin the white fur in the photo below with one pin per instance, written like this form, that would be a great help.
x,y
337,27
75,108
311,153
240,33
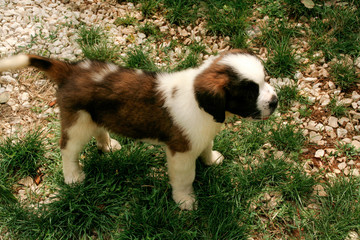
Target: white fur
x,y
14,62
247,66
198,126
86,64
266,94
110,68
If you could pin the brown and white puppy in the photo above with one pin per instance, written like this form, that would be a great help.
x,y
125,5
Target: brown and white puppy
x,y
182,110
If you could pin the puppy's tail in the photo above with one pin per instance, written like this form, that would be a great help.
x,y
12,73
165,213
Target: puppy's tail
x,y
57,70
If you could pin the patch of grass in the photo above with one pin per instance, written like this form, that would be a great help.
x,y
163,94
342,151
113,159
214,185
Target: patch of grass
x,y
305,112
344,75
22,157
228,18
335,30
95,44
346,149
287,95
149,8
151,30
126,21
137,58
287,137
181,12
338,213
336,109
193,57
281,61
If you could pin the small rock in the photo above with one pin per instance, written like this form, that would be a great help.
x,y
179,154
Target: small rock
x,y
343,120
355,96
141,35
24,96
319,190
7,79
314,137
355,172
331,85
4,97
351,163
352,236
357,62
333,122
342,165
27,182
298,75
319,153
310,79
346,102
341,132
356,144
330,132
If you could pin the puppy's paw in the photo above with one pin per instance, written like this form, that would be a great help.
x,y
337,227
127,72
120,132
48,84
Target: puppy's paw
x,y
185,201
216,157
74,177
113,146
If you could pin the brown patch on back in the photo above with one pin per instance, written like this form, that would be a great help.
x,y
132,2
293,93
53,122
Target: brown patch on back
x,y
124,102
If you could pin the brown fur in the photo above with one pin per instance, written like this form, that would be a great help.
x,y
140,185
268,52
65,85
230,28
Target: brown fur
x,y
123,102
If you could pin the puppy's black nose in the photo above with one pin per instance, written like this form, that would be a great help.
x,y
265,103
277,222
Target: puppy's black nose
x,y
273,102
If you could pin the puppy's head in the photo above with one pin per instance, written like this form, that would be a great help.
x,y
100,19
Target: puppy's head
x,y
235,82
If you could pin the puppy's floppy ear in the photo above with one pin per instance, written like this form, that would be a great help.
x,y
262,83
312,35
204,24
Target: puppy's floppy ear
x,y
210,91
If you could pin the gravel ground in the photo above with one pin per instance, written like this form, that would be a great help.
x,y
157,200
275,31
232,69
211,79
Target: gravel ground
x,y
48,27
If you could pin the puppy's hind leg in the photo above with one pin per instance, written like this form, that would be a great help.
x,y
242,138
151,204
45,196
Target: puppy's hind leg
x,y
104,142
73,139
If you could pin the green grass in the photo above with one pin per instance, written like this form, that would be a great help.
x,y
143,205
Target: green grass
x,y
126,194
339,213
336,30
126,21
336,109
139,59
261,189
95,44
344,75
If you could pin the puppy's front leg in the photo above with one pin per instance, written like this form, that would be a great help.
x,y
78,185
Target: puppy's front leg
x,y
181,170
210,157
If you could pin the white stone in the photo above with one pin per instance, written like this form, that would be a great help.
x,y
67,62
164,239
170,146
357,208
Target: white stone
x,y
7,79
314,137
331,85
333,122
4,97
342,165
356,144
355,172
343,120
346,102
341,132
310,79
357,62
330,132
319,153
355,96
24,96
298,75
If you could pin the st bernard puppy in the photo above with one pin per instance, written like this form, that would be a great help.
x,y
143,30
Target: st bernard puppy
x,y
182,110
